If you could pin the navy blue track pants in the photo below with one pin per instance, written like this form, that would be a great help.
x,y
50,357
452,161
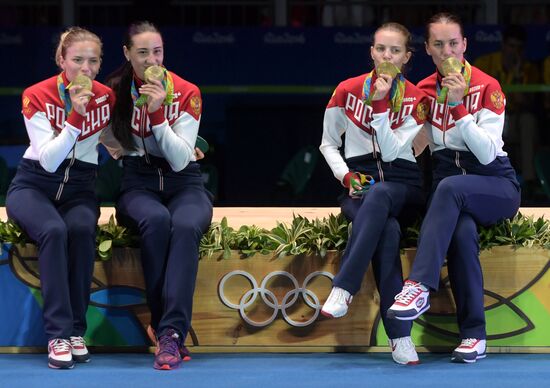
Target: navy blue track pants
x,y
449,230
171,223
64,231
376,236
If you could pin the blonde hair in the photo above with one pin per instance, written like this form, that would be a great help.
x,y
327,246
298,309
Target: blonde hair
x,y
71,36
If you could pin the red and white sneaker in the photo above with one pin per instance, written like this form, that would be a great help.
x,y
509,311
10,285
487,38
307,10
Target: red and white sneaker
x,y
59,354
470,350
411,302
79,349
336,305
403,351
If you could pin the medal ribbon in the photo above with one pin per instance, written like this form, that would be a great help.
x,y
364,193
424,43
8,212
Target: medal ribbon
x,y
397,91
168,85
442,92
64,95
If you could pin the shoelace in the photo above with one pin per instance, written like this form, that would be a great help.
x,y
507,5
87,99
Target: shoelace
x,y
78,341
408,293
468,342
168,344
60,345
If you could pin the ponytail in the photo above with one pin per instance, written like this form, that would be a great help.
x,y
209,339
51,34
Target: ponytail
x,y
124,106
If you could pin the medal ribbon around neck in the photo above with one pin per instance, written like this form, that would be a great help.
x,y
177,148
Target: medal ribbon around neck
x,y
466,73
64,95
397,91
168,85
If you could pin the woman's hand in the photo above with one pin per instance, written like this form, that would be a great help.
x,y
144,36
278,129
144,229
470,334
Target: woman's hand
x,y
198,154
456,85
382,86
155,95
80,98
355,186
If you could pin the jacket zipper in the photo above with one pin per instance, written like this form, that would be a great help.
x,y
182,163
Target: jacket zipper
x,y
445,119
457,162
378,164
142,132
65,175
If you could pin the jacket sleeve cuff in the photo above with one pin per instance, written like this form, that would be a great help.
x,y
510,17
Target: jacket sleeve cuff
x,y
347,179
459,112
157,117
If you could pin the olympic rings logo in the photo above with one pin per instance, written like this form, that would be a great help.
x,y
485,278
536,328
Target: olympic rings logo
x,y
269,298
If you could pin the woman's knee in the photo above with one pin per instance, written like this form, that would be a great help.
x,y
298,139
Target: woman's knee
x,y
189,227
378,194
82,228
52,230
448,187
158,221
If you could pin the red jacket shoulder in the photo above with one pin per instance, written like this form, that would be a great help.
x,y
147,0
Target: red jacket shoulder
x,y
351,85
184,86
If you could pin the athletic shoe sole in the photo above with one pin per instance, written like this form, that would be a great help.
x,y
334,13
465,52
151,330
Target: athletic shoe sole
x,y
329,315
166,366
60,364
82,359
185,354
406,363
392,314
464,358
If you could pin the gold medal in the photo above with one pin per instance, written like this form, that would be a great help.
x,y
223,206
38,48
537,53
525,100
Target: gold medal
x,y
387,68
154,73
81,80
451,65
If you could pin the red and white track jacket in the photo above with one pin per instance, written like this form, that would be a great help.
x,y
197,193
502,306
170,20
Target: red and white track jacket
x,y
370,129
170,132
475,126
53,135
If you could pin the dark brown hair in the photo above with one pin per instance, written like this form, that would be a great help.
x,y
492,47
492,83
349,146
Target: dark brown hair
x,y
392,26
121,84
445,18
397,27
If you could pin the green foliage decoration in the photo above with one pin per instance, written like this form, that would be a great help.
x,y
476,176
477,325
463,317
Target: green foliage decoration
x,y
219,237
301,237
10,232
112,235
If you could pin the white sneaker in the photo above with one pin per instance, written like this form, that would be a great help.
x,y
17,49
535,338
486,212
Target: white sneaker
x,y
411,302
59,354
79,349
337,303
470,350
403,352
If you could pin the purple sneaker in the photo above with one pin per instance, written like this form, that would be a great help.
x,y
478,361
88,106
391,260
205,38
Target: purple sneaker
x,y
184,352
167,355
